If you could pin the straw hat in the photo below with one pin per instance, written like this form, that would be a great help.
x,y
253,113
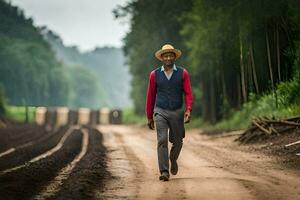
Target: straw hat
x,y
166,49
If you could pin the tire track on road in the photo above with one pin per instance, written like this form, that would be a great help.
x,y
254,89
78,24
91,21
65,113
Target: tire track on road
x,y
256,172
142,156
122,184
195,178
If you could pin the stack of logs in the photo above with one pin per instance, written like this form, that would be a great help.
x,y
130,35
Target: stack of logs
x,y
264,127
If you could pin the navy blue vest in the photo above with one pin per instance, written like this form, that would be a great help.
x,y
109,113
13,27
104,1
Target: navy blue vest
x,y
169,93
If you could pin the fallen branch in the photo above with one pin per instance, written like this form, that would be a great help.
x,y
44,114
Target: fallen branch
x,y
283,122
296,118
261,128
292,144
273,130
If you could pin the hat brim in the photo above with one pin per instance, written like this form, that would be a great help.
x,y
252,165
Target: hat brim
x,y
158,54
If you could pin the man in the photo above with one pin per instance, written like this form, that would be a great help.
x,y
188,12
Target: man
x,y
166,88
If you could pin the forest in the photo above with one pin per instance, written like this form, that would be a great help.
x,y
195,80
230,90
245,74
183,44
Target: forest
x,y
237,52
101,62
37,69
29,72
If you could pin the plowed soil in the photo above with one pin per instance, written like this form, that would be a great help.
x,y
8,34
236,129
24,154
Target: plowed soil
x,y
65,171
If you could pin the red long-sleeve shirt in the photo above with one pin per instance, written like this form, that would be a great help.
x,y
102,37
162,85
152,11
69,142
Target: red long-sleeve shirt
x,y
151,93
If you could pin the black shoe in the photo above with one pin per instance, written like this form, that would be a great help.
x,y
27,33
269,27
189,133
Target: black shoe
x,y
174,167
164,176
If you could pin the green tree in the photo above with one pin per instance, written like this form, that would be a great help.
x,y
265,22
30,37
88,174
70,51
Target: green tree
x,y
234,48
85,91
29,70
2,101
238,48
153,23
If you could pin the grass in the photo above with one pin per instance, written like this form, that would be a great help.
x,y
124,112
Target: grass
x,y
265,106
130,117
238,119
18,113
196,123
256,107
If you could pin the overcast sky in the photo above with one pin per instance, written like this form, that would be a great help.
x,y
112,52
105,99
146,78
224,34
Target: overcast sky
x,y
84,23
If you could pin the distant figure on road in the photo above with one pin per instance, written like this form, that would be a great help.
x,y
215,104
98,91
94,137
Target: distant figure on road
x,y
166,88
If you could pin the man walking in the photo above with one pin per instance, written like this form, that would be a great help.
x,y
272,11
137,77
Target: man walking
x,y
166,88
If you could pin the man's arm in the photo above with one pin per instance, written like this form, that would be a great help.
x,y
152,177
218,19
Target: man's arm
x,y
150,100
188,97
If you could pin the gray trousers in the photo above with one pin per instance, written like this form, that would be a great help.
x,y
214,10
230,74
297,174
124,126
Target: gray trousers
x,y
169,125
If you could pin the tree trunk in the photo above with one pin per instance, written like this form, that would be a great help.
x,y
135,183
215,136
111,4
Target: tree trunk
x,y
204,100
213,117
242,70
278,53
249,71
26,114
239,92
254,69
223,82
270,69
269,60
224,87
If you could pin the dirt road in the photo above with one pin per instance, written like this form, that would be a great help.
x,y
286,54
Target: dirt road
x,y
209,168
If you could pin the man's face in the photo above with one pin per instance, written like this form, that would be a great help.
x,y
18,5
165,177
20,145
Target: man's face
x,y
168,58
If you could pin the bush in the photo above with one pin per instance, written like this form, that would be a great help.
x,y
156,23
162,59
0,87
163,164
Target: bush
x,y
130,117
18,113
289,92
264,106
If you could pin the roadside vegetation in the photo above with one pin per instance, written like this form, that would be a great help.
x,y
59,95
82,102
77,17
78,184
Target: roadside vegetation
x,y
36,69
18,113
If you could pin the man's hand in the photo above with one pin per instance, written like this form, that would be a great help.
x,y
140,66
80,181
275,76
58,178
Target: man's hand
x,y
187,116
151,124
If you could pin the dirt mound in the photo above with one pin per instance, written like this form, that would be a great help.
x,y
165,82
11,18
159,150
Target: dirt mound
x,y
275,137
284,148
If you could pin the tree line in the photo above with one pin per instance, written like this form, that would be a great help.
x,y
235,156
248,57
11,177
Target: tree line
x,y
30,72
107,65
233,50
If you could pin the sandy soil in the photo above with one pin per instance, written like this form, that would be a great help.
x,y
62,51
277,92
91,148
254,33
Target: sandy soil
x,y
209,168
